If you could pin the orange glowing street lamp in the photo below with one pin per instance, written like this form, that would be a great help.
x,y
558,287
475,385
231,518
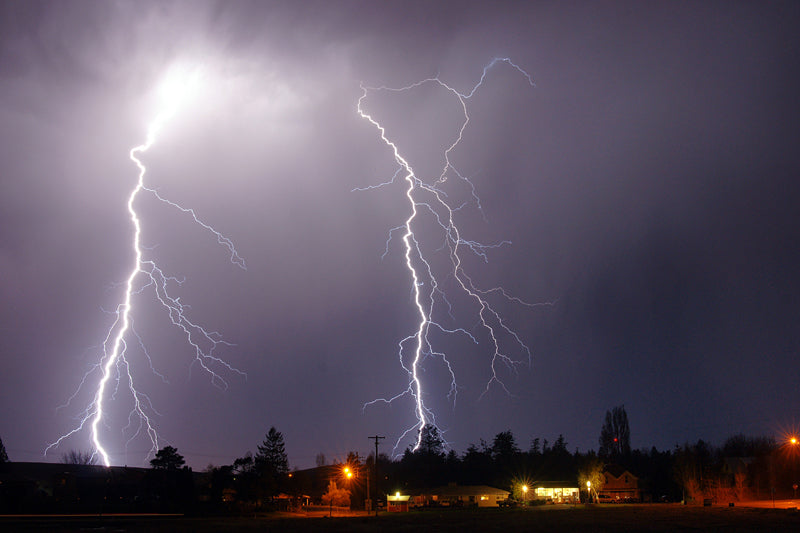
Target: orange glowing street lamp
x,y
793,441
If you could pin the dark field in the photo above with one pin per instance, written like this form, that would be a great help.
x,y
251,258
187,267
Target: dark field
x,y
550,519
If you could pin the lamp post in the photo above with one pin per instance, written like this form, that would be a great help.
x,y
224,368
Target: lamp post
x,y
793,441
524,495
347,473
589,492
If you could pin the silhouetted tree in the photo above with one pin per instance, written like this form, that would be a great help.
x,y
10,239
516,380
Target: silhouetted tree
x,y
243,465
321,461
692,468
243,471
560,445
271,454
353,460
615,435
3,454
77,457
536,447
504,447
425,466
271,463
167,458
431,441
170,483
477,464
744,446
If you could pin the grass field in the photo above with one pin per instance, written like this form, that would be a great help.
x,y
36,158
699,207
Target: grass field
x,y
660,518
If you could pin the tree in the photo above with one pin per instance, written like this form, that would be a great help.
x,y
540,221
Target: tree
x,y
477,464
321,461
243,465
271,457
536,447
169,482
167,458
504,446
271,463
336,496
431,442
3,454
615,435
78,457
592,471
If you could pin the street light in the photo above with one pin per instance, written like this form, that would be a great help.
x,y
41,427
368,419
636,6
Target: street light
x,y
524,494
589,491
347,473
793,443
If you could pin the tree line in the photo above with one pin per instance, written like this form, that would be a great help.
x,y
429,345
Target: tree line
x,y
743,467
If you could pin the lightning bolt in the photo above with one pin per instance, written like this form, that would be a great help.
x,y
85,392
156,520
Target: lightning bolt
x,y
146,275
430,295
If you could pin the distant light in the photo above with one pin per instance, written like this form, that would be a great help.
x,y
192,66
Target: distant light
x,y
397,494
588,484
793,440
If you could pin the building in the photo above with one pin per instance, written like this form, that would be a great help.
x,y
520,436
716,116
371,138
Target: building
x,y
556,491
619,486
398,503
453,495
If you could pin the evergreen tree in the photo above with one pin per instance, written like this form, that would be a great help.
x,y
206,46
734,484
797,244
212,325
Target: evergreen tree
x,y
431,442
271,456
271,462
504,446
3,454
536,446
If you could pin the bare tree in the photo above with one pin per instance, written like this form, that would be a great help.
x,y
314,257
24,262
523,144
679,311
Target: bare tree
x,y
79,457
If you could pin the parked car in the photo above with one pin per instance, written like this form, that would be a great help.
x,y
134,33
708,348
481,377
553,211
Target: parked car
x,y
508,502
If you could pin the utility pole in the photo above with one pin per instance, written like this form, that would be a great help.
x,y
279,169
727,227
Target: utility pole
x,y
377,439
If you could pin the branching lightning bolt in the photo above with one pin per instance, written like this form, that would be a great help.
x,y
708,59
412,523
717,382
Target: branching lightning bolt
x,y
428,294
147,275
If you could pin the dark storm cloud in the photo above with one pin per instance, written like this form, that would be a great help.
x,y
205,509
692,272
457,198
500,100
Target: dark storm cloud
x,y
648,183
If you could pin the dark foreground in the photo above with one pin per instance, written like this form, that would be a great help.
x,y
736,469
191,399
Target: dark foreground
x,y
669,517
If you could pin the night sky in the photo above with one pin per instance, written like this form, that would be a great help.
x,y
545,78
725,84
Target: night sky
x,y
648,183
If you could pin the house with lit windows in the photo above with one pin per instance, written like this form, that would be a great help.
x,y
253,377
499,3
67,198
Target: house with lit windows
x,y
556,492
619,486
454,495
